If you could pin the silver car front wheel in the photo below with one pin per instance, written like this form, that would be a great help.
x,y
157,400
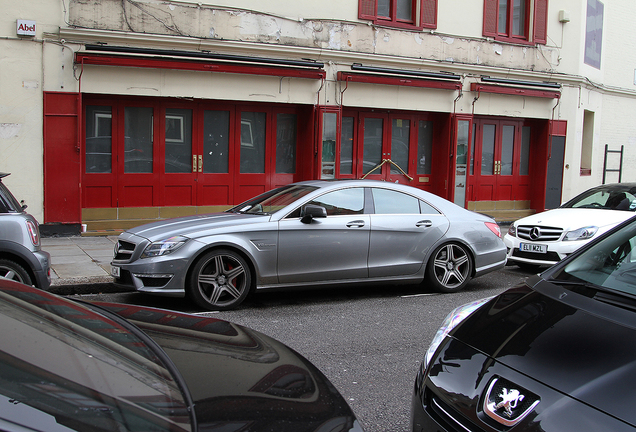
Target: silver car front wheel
x,y
220,280
450,268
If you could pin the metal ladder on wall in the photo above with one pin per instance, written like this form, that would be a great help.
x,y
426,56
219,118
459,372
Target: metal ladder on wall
x,y
619,170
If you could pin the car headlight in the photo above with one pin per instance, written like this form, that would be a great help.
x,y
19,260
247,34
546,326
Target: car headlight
x,y
164,247
512,230
452,320
581,233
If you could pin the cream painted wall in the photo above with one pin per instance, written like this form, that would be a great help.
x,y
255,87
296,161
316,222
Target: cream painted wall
x,y
327,31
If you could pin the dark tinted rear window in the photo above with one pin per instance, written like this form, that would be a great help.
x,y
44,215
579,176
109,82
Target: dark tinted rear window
x,y
8,203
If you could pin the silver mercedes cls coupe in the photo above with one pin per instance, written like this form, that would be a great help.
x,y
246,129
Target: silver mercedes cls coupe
x,y
312,233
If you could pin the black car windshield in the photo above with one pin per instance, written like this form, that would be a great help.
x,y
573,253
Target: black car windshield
x,y
66,367
615,197
609,264
274,200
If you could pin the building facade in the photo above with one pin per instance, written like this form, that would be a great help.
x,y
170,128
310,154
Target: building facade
x,y
117,112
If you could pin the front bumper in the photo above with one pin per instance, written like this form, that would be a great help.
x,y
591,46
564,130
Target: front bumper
x,y
555,251
164,275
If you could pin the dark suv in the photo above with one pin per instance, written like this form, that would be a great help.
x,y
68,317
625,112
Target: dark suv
x,y
21,256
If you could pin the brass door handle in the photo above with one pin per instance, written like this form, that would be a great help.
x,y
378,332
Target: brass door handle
x,y
200,163
194,163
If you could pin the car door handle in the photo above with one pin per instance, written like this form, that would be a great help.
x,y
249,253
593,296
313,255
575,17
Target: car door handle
x,y
424,223
356,224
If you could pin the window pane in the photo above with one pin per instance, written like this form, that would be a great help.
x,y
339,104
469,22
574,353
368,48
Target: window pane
x,y
346,146
253,142
400,145
425,147
138,142
524,163
329,124
216,133
99,143
519,18
503,17
384,8
342,202
372,144
391,202
426,208
507,149
286,143
488,150
405,10
178,141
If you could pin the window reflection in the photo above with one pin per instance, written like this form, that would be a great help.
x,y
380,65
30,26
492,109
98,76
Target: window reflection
x,y
253,142
286,125
138,142
372,154
99,139
178,140
216,140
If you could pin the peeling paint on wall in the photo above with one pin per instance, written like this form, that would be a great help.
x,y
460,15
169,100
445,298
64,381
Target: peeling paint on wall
x,y
9,130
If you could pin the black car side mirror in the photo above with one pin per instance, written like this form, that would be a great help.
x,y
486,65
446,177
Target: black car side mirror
x,y
311,211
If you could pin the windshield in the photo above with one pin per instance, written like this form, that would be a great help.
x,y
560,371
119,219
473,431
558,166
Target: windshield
x,y
609,264
614,198
65,367
274,200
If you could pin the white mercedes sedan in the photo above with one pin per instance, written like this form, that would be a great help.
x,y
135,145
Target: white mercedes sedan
x,y
546,238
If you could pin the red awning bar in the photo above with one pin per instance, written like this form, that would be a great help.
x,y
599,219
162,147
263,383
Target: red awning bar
x,y
399,80
514,90
155,62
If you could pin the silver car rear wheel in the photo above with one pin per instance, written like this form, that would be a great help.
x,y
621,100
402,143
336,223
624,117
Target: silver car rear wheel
x,y
450,268
14,271
220,280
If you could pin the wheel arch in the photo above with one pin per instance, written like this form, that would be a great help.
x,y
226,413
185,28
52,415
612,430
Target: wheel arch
x,y
224,246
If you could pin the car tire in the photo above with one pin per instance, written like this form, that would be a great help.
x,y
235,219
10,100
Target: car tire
x,y
450,268
220,280
14,271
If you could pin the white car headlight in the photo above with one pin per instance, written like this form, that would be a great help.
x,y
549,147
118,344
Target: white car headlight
x,y
452,320
584,233
164,247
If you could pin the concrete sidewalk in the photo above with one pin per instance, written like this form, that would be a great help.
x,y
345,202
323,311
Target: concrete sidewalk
x,y
80,265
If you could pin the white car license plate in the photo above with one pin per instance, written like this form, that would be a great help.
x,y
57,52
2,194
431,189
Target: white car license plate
x,y
535,248
114,271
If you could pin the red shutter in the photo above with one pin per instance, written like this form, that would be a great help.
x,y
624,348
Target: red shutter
x,y
429,14
61,158
366,9
540,31
491,10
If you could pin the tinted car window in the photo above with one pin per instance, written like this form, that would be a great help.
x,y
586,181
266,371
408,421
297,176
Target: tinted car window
x,y
342,202
8,203
392,202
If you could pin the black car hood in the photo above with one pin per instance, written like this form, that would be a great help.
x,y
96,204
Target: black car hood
x,y
568,341
242,380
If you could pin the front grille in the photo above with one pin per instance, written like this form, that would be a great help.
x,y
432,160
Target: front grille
x,y
539,233
448,417
124,250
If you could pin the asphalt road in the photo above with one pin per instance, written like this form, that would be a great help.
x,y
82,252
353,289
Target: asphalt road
x,y
369,341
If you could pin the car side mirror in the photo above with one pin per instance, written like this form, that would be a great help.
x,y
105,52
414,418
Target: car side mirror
x,y
311,211
24,206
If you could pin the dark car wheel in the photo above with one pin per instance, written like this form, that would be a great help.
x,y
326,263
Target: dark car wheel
x,y
220,280
449,268
14,271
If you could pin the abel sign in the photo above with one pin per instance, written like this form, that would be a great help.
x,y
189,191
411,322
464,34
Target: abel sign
x,y
26,28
